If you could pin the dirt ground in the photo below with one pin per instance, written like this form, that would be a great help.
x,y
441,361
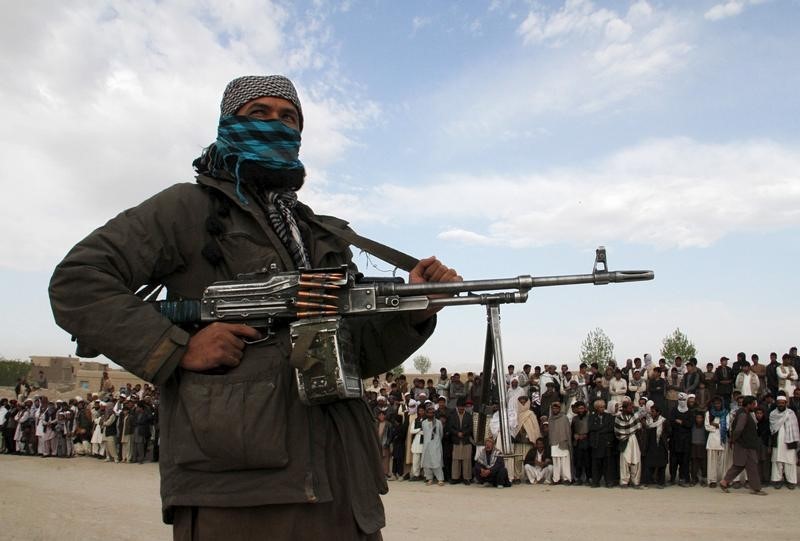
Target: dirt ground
x,y
85,499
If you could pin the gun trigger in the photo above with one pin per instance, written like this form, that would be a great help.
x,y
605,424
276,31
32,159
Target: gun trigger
x,y
267,335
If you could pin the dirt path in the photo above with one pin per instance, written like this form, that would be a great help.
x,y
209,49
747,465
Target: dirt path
x,y
83,499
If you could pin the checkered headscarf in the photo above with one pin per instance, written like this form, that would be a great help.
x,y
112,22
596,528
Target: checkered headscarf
x,y
243,89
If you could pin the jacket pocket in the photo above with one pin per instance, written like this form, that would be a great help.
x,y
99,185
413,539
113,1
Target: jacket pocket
x,y
244,253
231,422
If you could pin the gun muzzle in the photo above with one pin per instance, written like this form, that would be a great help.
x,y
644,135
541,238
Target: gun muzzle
x,y
602,278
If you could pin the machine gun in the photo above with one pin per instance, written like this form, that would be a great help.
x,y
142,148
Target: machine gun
x,y
317,304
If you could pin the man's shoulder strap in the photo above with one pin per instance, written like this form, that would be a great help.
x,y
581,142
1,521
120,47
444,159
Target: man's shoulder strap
x,y
397,258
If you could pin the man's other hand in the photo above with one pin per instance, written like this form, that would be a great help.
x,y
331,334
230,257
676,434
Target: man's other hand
x,y
219,344
431,269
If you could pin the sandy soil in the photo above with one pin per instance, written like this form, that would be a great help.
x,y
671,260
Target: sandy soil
x,y
86,499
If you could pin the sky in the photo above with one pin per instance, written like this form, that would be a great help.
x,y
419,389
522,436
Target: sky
x,y
506,137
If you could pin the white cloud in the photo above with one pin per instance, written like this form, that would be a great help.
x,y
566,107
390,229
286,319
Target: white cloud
x,y
665,193
731,8
110,103
576,17
579,60
722,11
419,22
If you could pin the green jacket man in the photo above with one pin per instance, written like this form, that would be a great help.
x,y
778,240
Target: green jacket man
x,y
240,454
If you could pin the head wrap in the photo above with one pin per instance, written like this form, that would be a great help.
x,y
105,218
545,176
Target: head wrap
x,y
251,87
722,416
682,399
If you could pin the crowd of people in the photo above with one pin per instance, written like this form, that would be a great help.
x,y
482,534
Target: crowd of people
x,y
644,424
641,424
114,426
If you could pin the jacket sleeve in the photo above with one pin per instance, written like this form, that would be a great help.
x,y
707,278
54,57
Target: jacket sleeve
x,y
92,289
386,340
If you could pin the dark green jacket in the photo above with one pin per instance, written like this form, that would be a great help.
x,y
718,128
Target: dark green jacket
x,y
242,438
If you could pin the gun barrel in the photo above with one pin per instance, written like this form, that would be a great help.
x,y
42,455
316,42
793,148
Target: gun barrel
x,y
521,283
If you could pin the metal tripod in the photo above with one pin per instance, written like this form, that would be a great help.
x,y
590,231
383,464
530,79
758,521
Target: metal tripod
x,y
494,352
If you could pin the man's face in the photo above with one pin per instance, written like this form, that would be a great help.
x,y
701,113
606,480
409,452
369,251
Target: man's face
x,y
539,445
271,108
600,408
690,402
460,410
511,369
489,445
773,357
627,408
782,405
759,414
556,409
581,410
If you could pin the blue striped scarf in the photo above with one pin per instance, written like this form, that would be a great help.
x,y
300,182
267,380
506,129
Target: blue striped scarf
x,y
270,144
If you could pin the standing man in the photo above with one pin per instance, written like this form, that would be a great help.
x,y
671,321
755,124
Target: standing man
x,y
747,382
108,422
785,435
560,445
691,379
681,420
628,429
745,448
772,374
656,456
738,366
457,392
723,376
601,440
460,429
300,470
787,375
760,371
580,445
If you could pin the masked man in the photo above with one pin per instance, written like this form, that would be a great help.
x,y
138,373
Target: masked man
x,y
271,463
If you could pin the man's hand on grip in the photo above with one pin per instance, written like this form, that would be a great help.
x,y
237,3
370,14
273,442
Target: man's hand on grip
x,y
219,344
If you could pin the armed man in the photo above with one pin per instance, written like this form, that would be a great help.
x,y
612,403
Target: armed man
x,y
241,454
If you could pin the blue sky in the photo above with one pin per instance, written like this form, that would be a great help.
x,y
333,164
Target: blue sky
x,y
506,137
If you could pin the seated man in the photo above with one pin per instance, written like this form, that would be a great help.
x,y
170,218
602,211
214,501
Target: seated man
x,y
538,464
490,467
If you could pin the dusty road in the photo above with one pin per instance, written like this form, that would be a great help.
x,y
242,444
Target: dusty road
x,y
83,499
